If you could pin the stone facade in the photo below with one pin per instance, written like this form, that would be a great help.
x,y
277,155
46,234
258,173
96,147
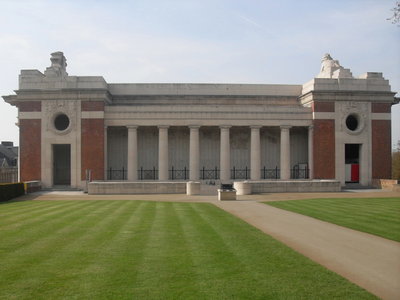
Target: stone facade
x,y
202,132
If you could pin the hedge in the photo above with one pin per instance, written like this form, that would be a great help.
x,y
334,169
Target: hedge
x,y
11,190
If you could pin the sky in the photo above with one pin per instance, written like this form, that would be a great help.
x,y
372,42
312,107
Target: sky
x,y
203,41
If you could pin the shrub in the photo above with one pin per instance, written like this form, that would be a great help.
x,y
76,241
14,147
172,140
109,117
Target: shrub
x,y
11,190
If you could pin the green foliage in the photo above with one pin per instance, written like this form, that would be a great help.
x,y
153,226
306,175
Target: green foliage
x,y
150,250
11,190
379,216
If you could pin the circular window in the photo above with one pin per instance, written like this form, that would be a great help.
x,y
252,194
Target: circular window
x,y
352,122
61,122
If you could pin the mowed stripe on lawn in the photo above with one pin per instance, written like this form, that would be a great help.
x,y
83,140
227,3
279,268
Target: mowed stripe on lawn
x,y
150,250
378,216
40,250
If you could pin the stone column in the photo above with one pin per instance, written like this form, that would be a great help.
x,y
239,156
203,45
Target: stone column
x,y
311,152
194,153
255,155
225,157
163,152
285,152
132,153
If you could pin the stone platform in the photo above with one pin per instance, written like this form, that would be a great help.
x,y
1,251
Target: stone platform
x,y
179,187
294,186
136,187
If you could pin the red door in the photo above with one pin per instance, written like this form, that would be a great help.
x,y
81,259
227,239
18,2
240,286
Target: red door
x,y
355,172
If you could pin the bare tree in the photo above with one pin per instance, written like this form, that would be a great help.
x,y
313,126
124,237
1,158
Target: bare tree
x,y
395,18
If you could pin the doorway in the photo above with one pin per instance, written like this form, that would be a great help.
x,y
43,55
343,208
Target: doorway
x,y
352,163
62,164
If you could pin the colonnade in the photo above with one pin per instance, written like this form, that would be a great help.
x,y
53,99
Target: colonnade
x,y
225,167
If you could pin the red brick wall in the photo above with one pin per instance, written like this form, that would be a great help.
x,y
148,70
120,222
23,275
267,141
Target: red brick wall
x,y
30,149
93,148
381,149
324,149
92,106
26,106
381,107
323,106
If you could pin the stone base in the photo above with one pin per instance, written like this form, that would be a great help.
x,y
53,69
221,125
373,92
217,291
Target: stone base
x,y
295,186
242,187
193,188
136,187
32,186
197,187
387,184
396,188
226,195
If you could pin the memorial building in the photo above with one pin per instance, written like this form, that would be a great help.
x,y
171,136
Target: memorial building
x,y
79,128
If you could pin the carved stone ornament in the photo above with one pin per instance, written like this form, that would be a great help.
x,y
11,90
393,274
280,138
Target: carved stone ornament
x,y
357,110
331,68
58,66
57,107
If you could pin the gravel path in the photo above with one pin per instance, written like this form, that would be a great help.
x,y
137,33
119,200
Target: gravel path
x,y
369,261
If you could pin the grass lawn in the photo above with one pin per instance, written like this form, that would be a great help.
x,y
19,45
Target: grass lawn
x,y
150,250
379,216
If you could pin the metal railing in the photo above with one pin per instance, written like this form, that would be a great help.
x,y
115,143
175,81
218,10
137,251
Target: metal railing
x,y
209,173
115,174
147,174
270,173
299,173
205,174
240,173
179,173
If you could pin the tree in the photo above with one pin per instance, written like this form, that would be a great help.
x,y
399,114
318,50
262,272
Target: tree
x,y
396,14
396,162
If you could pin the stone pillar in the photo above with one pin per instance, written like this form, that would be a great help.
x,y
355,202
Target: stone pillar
x,y
242,187
132,153
311,152
194,153
255,155
163,152
285,152
193,188
225,157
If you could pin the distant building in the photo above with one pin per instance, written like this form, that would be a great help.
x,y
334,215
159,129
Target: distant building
x,y
8,162
335,126
8,155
